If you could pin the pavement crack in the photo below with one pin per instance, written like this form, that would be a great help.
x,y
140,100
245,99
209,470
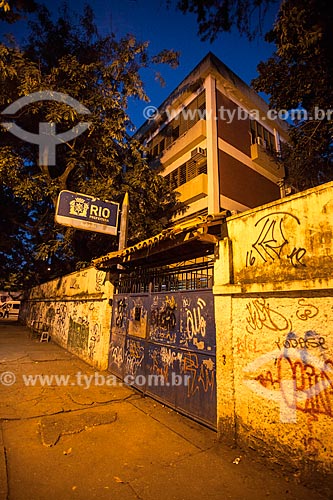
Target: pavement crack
x,y
137,496
20,419
4,477
9,361
79,402
32,360
52,429
7,476
102,403
71,410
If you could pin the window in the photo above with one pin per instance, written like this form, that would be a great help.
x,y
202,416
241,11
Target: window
x,y
182,174
162,146
257,130
185,173
174,181
189,116
175,133
137,313
155,151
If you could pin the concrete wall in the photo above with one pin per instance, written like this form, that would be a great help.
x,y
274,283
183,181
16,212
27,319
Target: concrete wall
x,y
274,308
76,307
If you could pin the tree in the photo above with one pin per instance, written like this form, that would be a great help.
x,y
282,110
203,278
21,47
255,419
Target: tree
x,y
299,76
101,73
217,16
14,243
13,10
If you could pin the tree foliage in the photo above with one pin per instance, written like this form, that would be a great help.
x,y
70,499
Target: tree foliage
x,y
102,73
217,16
13,10
299,75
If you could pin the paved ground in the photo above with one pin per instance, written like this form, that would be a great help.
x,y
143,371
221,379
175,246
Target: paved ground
x,y
108,442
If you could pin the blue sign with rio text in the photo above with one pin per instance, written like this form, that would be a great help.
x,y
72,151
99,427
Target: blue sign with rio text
x,y
85,212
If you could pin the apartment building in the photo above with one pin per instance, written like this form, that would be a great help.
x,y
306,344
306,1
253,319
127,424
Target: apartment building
x,y
215,137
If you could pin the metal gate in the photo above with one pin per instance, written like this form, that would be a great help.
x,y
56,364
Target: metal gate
x,y
163,337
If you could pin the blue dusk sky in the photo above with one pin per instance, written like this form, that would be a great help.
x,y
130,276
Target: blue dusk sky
x,y
168,28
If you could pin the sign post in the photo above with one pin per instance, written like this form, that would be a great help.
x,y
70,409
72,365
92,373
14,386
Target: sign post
x,y
87,213
124,223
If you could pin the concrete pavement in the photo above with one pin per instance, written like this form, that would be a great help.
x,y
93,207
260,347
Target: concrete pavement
x,y
66,440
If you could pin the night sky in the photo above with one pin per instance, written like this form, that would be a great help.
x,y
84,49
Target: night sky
x,y
168,28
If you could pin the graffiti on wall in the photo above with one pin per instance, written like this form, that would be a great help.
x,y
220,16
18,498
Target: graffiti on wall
x,y
78,334
201,374
116,355
74,283
163,320
60,321
246,344
163,361
193,322
261,315
306,310
295,384
298,373
186,320
121,313
94,339
134,356
310,340
100,279
273,232
75,318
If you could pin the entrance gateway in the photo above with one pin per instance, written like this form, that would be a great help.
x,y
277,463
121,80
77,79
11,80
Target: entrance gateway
x,y
163,337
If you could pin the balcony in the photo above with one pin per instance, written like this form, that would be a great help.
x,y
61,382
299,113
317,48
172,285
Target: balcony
x,y
185,143
194,189
261,156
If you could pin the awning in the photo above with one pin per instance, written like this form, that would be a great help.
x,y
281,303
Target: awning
x,y
190,239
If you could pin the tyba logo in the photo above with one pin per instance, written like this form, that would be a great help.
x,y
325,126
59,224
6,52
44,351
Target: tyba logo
x,y
47,139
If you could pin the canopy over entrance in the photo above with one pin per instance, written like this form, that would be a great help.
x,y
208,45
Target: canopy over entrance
x,y
189,239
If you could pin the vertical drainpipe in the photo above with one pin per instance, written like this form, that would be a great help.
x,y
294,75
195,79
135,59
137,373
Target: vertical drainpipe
x,y
212,146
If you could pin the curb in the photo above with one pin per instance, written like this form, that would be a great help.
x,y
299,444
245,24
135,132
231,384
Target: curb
x,y
3,469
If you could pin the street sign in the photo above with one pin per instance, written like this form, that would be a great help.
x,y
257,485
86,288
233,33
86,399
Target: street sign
x,y
85,212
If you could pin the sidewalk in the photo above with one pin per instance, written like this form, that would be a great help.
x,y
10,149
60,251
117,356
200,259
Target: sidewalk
x,y
109,442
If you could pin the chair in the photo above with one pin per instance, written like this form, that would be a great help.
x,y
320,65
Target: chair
x,y
44,336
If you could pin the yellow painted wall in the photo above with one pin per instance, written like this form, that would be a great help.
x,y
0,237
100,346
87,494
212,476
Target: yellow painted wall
x,y
274,318
77,310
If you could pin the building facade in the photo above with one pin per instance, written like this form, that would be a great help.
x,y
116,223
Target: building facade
x,y
214,138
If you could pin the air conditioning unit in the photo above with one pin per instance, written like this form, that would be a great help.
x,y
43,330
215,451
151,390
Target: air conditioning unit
x,y
198,151
261,142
